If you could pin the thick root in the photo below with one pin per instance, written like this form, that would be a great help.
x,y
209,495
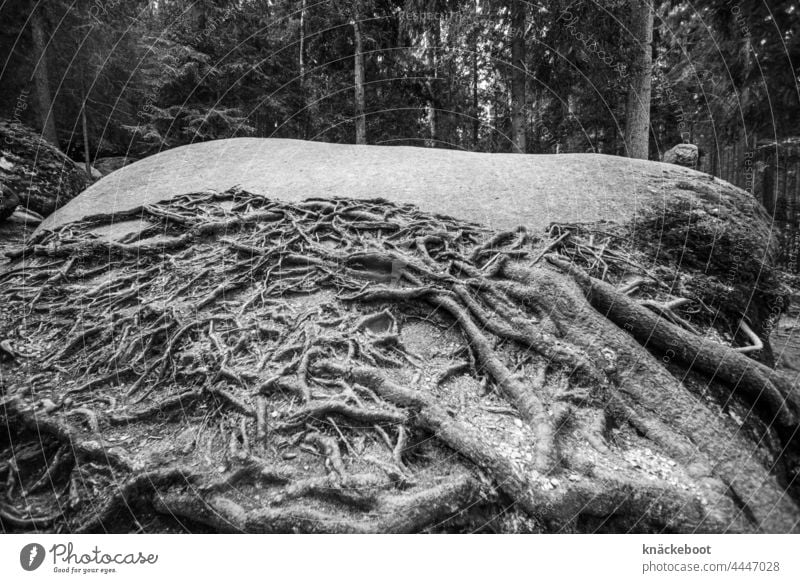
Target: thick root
x,y
352,366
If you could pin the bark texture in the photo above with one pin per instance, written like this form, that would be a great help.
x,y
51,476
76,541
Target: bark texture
x,y
432,39
518,76
637,122
358,83
44,100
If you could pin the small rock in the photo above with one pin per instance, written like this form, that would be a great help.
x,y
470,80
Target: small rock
x,y
289,455
682,155
518,422
696,470
110,164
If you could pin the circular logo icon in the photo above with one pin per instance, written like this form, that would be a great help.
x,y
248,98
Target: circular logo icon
x,y
31,556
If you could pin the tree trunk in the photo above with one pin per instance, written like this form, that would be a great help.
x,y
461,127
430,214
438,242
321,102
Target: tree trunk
x,y
41,82
361,120
198,17
302,63
85,127
476,122
494,120
518,75
637,123
431,40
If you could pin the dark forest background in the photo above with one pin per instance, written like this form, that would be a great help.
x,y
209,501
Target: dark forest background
x,y
113,77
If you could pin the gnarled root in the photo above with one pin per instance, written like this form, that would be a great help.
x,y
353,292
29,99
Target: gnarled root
x,y
355,366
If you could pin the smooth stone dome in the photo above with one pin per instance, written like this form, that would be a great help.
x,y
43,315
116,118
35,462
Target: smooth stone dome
x,y
500,191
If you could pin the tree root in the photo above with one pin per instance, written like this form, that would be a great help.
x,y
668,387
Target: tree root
x,y
354,366
759,384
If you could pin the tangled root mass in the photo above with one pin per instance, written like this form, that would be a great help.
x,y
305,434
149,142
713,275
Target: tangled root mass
x,y
227,362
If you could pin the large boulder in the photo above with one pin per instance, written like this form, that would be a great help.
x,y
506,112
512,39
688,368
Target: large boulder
x,y
498,190
9,200
325,347
42,176
674,215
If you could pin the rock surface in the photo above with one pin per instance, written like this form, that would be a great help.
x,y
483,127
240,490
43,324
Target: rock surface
x,y
697,223
111,163
255,366
43,177
9,200
333,353
497,190
682,155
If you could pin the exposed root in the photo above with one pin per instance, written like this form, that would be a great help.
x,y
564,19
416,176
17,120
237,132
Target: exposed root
x,y
355,366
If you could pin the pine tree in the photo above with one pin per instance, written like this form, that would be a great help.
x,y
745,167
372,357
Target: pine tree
x,y
637,117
